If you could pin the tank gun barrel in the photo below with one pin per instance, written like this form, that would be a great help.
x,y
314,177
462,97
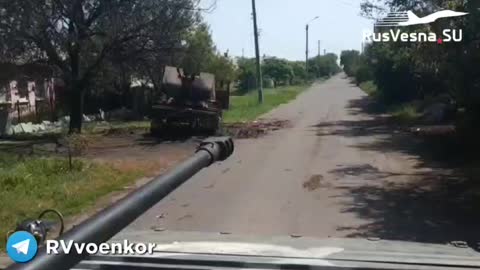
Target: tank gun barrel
x,y
107,223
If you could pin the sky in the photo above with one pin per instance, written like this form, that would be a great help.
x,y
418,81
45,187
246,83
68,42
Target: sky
x,y
282,26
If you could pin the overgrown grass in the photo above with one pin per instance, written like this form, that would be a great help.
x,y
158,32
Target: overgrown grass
x,y
246,108
30,185
405,114
369,87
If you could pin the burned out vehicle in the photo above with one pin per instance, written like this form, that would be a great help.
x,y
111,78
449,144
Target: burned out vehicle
x,y
189,102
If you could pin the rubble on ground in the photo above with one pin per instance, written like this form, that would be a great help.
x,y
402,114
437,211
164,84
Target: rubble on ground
x,y
30,128
52,127
43,127
87,119
254,129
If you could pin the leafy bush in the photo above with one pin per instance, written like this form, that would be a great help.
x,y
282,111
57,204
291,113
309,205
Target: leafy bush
x,y
356,65
406,113
246,74
279,70
363,74
349,60
406,71
323,66
369,87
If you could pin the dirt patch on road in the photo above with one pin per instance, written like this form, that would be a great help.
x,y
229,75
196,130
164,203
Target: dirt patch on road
x,y
314,183
254,129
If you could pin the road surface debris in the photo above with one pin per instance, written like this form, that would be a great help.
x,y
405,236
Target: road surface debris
x,y
313,183
255,129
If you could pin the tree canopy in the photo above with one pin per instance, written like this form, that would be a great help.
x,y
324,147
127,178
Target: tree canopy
x,y
201,55
323,66
78,37
280,70
406,71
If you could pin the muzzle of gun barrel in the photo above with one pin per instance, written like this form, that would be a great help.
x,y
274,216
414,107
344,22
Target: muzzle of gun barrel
x,y
220,148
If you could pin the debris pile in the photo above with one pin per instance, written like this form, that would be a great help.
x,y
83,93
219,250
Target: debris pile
x,y
254,129
44,127
52,127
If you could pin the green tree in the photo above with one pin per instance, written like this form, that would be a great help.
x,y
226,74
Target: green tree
x,y
350,60
200,50
323,66
223,68
246,74
404,71
278,69
356,65
77,37
202,56
299,72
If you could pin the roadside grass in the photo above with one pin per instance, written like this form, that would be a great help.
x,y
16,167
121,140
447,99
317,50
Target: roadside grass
x,y
116,127
246,108
369,87
403,114
32,184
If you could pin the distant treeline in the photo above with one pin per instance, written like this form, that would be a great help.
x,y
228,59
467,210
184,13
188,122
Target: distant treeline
x,y
278,71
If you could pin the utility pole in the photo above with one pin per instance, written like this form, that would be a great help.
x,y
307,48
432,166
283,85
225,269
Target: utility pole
x,y
306,51
319,51
257,54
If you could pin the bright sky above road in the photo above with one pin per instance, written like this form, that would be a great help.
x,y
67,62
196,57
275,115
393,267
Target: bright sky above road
x,y
282,26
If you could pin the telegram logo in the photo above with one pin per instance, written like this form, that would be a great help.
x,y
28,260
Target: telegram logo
x,y
22,247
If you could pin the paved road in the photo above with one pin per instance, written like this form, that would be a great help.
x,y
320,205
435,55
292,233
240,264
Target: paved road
x,y
334,173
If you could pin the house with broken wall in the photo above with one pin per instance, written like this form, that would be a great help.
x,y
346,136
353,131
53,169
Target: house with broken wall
x,y
24,95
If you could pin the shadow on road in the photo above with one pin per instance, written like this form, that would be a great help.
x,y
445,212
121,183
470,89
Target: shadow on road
x,y
437,207
439,204
427,211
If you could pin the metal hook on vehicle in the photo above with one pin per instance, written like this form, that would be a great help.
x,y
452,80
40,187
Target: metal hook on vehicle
x,y
60,217
39,228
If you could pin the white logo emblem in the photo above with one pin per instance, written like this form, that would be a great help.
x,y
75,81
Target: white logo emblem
x,y
22,247
409,18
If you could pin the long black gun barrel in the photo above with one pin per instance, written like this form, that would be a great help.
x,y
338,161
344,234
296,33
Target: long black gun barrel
x,y
107,223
